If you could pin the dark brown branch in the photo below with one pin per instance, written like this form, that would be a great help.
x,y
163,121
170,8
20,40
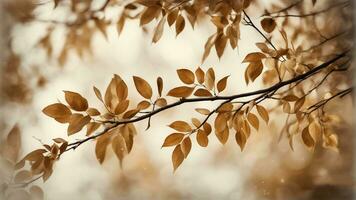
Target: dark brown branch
x,y
264,92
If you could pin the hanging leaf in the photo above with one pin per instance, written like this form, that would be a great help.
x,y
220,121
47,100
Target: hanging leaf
x,y
263,113
172,16
98,93
181,126
173,139
177,157
220,44
101,146
186,146
186,76
180,23
253,120
223,136
202,139
119,147
143,87
254,57
159,86
268,24
158,32
307,138
182,91
240,139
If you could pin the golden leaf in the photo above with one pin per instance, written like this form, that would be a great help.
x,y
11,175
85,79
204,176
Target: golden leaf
x,y
76,101
161,102
199,73
98,93
57,111
240,139
101,146
263,113
120,24
307,138
180,23
196,122
268,24
254,57
181,126
253,120
143,87
223,135
13,144
77,122
186,76
220,44
202,111
130,113
143,105
286,107
202,139
207,128
93,112
186,146
209,43
254,69
177,157
119,147
182,91
290,98
210,79
121,88
202,93
122,107
220,122
221,85
173,139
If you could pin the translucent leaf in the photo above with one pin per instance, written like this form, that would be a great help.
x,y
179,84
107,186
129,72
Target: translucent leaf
x,y
199,73
77,122
180,24
254,57
202,111
149,14
202,93
76,101
158,32
307,138
101,146
268,24
263,113
240,139
57,110
119,147
253,120
210,79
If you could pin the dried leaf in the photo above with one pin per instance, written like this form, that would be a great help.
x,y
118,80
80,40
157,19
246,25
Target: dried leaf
x,y
186,146
199,73
221,85
186,76
122,107
253,120
307,138
77,122
181,126
143,87
254,57
240,139
210,79
158,32
180,24
91,127
57,110
22,176
203,111
263,113
223,136
172,16
101,146
182,91
177,157
202,139
161,102
93,112
159,86
173,139
220,44
76,101
119,147
202,93
149,14
98,93
143,105
268,24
